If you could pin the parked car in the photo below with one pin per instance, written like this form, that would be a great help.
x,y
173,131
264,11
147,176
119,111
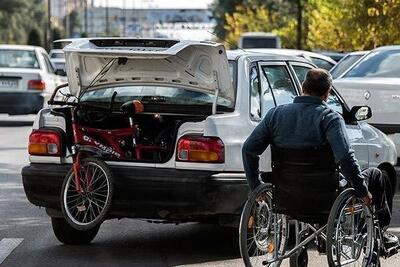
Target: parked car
x,y
259,40
27,79
319,60
199,102
337,56
374,81
58,60
346,62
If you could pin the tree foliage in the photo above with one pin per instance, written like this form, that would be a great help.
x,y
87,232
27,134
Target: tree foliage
x,y
19,17
314,24
34,37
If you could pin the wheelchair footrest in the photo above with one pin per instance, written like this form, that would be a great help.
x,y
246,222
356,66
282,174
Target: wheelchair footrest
x,y
389,252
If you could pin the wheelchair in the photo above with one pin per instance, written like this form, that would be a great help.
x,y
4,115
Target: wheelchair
x,y
304,200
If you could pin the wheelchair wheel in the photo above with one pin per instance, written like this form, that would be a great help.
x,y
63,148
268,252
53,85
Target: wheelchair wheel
x,y
351,233
262,234
299,259
87,210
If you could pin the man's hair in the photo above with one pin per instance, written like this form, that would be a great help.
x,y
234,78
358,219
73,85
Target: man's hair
x,y
317,82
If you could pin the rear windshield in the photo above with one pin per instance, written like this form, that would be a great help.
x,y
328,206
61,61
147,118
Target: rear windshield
x,y
385,64
344,64
259,42
154,95
57,55
18,59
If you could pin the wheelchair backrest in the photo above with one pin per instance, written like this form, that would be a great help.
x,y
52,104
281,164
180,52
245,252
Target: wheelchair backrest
x,y
305,182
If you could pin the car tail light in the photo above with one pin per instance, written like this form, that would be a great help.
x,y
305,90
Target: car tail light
x,y
44,143
197,148
39,85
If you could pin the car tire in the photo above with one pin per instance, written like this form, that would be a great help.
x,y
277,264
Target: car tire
x,y
68,235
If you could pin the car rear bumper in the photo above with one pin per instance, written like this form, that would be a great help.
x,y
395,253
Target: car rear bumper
x,y
20,103
151,193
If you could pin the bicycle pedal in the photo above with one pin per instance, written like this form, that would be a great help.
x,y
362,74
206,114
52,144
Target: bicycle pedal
x,y
81,208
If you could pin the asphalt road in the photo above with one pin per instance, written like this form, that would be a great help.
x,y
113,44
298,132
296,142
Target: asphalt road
x,y
26,237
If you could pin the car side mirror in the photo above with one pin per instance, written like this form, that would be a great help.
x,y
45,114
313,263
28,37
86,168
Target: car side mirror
x,y
361,113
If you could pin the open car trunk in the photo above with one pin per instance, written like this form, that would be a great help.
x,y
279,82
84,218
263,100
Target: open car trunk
x,y
156,133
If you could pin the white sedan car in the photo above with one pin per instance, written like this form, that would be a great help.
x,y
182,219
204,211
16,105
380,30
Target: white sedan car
x,y
317,59
58,59
200,104
375,81
27,79
346,62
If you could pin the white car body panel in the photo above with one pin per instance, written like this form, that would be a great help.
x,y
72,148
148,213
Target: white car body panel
x,y
381,94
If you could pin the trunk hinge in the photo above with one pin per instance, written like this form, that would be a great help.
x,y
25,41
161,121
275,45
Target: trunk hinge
x,y
214,106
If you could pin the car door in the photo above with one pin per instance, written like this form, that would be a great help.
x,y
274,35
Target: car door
x,y
50,78
276,87
334,101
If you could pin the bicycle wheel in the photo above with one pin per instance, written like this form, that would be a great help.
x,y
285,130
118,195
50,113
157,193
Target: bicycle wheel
x,y
262,234
350,233
87,210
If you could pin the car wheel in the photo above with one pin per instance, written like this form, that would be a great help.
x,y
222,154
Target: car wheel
x,y
68,235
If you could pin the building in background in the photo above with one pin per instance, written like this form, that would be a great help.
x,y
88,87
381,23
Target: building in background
x,y
60,8
194,24
86,19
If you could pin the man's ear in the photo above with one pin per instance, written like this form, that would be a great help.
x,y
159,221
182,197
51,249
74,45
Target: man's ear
x,y
326,95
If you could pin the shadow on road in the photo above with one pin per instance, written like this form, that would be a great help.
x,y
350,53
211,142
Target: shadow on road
x,y
171,246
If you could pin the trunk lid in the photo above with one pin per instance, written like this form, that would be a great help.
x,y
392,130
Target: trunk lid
x,y
197,66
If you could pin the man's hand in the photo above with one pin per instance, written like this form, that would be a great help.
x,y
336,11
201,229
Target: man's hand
x,y
367,200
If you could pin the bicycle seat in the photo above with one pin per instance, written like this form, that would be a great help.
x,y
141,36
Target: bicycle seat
x,y
132,107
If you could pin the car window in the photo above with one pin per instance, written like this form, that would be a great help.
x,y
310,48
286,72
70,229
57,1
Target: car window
x,y
57,55
10,58
255,95
333,101
49,66
164,95
279,81
344,64
321,63
301,72
383,64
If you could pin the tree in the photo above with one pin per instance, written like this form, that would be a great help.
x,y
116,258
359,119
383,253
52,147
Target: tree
x,y
18,18
354,25
241,14
34,38
342,25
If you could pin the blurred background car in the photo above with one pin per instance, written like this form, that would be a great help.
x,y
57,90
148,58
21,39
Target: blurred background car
x,y
374,81
319,60
259,40
58,60
337,56
346,62
27,79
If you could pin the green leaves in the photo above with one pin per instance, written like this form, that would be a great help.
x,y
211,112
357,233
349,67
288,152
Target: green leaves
x,y
342,25
19,17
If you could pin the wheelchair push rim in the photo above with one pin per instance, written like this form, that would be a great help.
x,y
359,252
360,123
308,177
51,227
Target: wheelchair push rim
x,y
351,233
258,225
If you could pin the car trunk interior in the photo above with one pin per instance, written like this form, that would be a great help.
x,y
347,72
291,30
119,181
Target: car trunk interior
x,y
156,132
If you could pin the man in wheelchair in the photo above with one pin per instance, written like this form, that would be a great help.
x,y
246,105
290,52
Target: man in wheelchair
x,y
309,142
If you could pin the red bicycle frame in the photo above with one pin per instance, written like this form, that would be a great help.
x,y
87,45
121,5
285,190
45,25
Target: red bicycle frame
x,y
107,142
